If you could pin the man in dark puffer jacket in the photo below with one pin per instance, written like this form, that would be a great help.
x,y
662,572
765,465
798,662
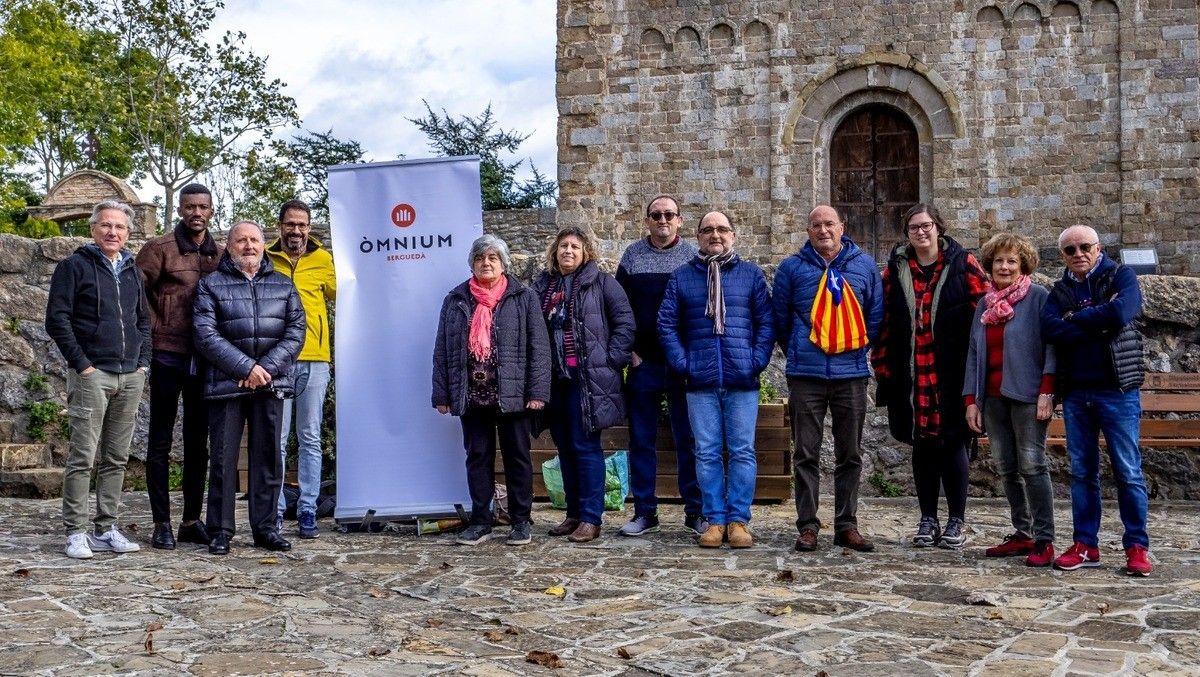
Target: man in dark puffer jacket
x,y
249,325
1090,316
717,331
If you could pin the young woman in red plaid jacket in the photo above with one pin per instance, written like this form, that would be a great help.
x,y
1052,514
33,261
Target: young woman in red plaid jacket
x,y
931,287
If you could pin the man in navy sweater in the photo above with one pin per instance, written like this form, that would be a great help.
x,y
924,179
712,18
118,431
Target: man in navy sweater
x,y
643,272
1090,315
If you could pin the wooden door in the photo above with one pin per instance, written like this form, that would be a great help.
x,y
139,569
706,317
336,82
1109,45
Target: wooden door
x,y
874,167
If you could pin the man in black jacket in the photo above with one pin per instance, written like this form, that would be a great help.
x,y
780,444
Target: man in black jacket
x,y
249,326
97,316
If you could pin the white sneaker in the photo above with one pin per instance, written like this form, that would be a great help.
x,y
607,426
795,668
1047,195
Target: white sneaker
x,y
112,541
77,546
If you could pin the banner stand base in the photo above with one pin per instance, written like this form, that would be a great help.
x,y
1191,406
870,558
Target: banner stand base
x,y
427,523
366,520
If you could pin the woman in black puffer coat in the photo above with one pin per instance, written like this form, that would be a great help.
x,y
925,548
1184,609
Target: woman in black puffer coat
x,y
491,368
591,335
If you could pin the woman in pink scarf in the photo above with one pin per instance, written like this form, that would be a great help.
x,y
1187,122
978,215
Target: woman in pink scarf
x,y
491,368
1009,393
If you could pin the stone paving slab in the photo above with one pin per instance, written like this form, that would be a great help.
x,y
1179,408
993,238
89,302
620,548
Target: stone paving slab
x,y
394,603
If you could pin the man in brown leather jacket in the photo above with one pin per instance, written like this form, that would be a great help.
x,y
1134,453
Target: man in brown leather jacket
x,y
173,265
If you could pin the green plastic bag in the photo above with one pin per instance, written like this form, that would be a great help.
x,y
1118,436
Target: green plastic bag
x,y
616,481
552,477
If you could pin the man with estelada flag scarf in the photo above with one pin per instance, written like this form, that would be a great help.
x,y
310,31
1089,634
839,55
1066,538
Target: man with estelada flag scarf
x,y
828,301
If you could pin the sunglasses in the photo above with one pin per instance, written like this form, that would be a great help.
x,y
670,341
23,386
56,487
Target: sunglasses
x,y
662,216
1084,248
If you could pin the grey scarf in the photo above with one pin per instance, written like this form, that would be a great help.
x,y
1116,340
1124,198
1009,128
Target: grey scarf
x,y
715,309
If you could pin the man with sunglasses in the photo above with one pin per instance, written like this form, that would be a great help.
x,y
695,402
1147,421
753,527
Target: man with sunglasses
x,y
1091,316
643,272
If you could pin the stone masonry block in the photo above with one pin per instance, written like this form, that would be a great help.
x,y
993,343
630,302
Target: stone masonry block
x,y
22,456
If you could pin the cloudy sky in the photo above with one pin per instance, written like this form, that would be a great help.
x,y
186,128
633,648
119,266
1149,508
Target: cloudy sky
x,y
361,67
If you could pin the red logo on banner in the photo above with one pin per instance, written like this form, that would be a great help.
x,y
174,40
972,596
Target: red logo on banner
x,y
403,215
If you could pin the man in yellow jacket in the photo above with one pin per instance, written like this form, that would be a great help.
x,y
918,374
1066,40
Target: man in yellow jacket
x,y
300,256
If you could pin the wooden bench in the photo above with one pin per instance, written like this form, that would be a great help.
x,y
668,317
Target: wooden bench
x,y
1162,394
773,444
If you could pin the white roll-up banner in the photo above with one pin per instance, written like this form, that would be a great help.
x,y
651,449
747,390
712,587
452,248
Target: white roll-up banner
x,y
401,232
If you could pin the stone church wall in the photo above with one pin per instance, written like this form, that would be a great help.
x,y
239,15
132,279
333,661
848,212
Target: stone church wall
x,y
1031,116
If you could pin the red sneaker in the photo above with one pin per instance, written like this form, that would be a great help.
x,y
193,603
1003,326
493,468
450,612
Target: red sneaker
x,y
1079,555
1042,555
1137,561
1013,545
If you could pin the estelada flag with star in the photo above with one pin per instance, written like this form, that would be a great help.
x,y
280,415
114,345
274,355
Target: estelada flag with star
x,y
838,325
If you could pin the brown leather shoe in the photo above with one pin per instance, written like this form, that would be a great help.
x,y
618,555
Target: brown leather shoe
x,y
568,526
807,540
713,536
584,532
850,538
739,536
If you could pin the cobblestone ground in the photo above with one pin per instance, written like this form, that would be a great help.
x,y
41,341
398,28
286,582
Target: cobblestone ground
x,y
395,603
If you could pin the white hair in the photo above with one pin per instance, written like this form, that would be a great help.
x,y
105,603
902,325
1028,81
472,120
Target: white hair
x,y
246,222
113,205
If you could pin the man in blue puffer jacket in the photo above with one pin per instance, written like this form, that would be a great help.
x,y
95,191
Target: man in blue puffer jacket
x,y
716,330
828,306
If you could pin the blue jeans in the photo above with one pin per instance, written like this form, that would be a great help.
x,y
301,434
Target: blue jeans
x,y
1116,414
313,377
645,389
580,455
725,419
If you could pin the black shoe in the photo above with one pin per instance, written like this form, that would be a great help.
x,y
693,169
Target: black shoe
x,y
272,541
520,534
474,534
219,545
162,539
194,533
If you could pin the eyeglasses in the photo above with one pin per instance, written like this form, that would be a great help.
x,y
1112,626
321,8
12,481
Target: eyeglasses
x,y
662,216
1084,248
294,225
709,230
921,227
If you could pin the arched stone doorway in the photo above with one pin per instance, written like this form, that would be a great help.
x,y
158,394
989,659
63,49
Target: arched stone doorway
x,y
874,174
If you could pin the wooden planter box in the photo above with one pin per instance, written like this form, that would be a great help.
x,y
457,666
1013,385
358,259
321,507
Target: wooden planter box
x,y
773,443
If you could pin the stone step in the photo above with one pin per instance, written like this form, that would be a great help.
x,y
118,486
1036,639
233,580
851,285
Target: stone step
x,y
24,456
32,483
